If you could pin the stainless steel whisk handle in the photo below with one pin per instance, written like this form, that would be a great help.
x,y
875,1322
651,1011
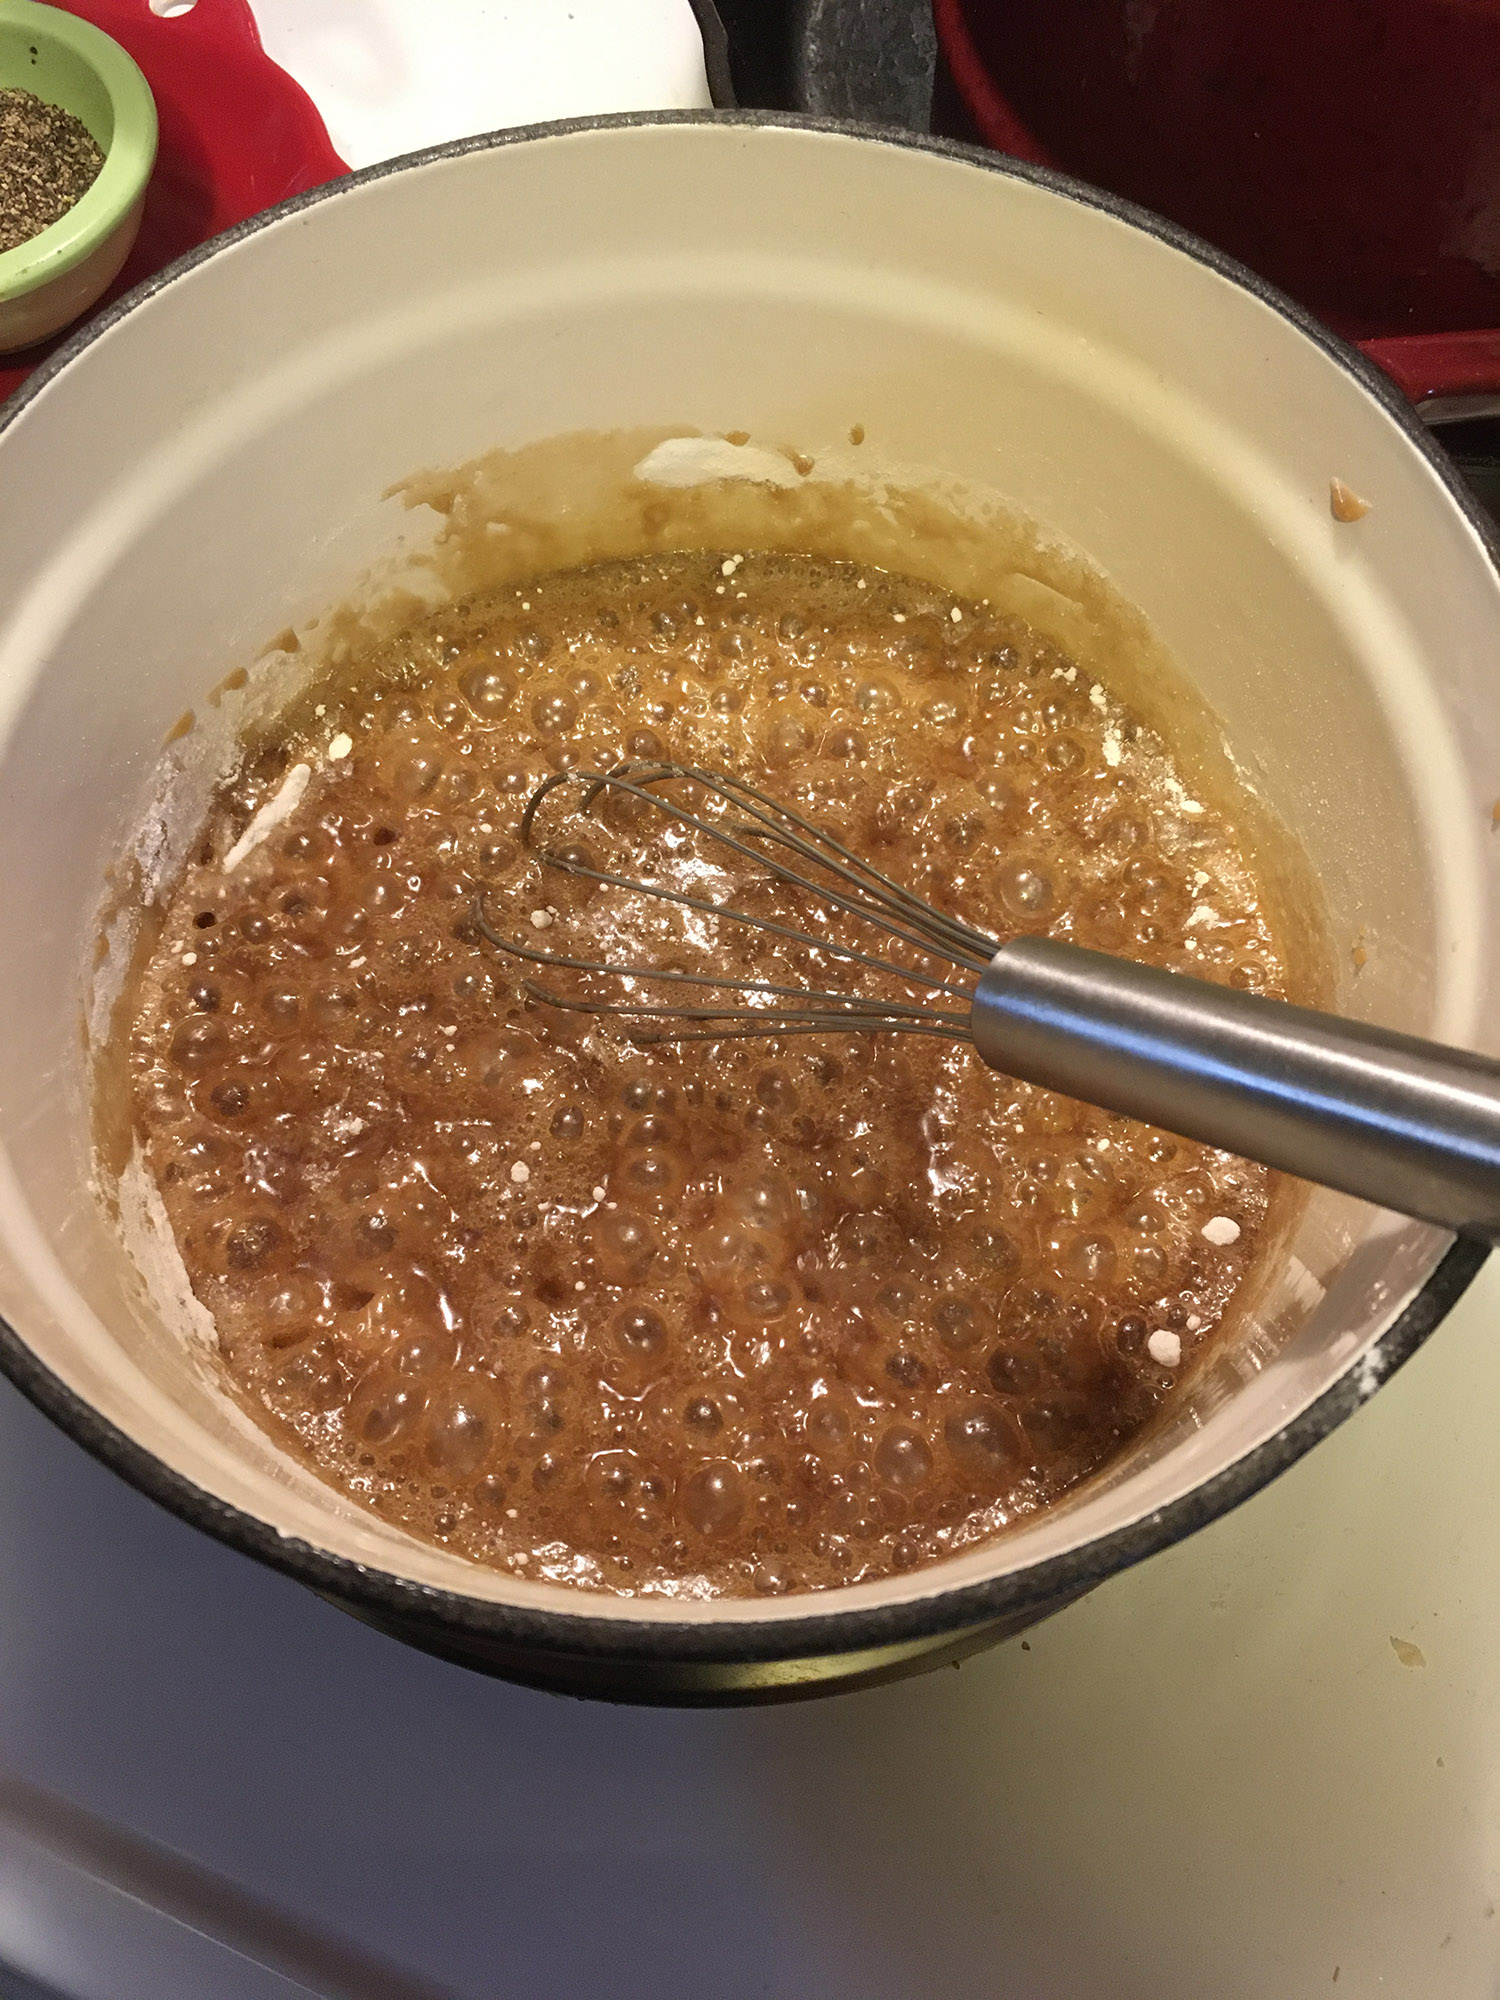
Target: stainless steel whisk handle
x,y
1409,1124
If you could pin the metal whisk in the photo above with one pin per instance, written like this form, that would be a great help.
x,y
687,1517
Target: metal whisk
x,y
1409,1124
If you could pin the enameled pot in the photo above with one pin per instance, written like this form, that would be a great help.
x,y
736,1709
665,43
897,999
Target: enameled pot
x,y
207,465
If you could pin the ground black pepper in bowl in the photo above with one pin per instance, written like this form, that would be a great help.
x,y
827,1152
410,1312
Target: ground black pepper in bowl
x,y
48,161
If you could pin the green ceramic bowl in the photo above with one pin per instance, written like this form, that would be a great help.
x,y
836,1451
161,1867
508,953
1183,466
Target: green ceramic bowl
x,y
57,275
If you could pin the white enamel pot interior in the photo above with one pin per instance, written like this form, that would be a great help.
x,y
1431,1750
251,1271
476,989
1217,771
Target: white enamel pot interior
x,y
208,464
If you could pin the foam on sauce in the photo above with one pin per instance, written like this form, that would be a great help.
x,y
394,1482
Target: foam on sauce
x,y
715,1317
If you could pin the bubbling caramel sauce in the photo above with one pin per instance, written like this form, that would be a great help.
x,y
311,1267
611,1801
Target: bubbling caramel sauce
x,y
726,1317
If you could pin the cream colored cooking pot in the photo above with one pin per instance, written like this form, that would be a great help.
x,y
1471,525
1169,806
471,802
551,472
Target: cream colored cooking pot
x,y
207,465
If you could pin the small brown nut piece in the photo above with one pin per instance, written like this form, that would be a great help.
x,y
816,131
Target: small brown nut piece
x,y
1344,503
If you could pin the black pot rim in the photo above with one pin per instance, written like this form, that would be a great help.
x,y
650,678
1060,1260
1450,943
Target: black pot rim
x,y
773,1635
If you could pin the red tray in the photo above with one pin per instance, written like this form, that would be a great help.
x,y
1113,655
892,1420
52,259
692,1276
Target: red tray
x,y
237,135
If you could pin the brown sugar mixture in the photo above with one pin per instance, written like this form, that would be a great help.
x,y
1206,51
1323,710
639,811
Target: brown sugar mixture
x,y
709,1317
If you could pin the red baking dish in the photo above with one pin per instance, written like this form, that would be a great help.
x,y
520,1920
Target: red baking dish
x,y
1348,151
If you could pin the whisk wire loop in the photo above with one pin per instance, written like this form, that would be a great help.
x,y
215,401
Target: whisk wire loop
x,y
864,891
881,1009
829,872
